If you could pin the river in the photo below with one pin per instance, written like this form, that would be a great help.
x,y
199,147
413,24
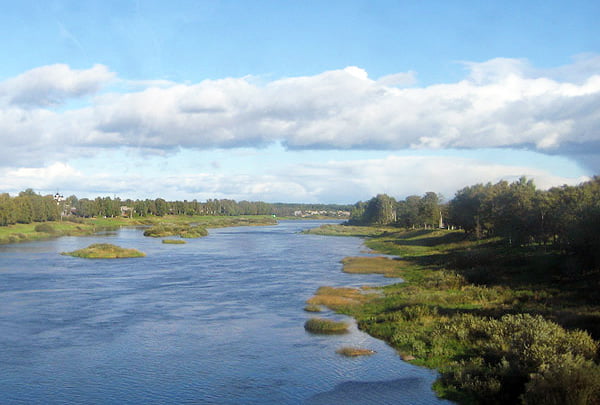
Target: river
x,y
218,320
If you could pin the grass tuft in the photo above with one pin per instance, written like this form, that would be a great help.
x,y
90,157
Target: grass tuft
x,y
354,351
104,251
174,241
325,326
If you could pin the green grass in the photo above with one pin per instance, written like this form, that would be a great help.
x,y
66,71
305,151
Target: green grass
x,y
174,241
183,231
467,308
104,251
75,226
372,265
27,232
325,326
313,308
354,351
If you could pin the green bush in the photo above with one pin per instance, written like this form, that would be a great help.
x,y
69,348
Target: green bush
x,y
47,228
568,380
519,355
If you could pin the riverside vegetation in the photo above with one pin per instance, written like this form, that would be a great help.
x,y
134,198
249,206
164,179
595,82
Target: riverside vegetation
x,y
506,307
104,251
77,226
502,324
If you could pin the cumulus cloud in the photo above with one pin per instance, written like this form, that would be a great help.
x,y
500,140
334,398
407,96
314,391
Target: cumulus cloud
x,y
52,85
501,103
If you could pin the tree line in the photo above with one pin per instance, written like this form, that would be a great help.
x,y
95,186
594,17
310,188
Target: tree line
x,y
28,207
566,218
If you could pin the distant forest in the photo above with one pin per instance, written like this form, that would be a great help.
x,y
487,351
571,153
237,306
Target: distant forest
x,y
28,207
565,218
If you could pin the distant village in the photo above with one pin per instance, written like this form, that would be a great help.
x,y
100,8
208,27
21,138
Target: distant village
x,y
322,213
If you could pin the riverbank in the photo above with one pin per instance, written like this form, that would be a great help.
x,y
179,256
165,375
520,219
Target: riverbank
x,y
74,226
502,325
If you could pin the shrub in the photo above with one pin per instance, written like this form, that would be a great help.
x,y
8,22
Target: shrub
x,y
568,380
47,228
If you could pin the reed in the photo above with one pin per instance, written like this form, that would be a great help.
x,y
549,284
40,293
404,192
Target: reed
x,y
104,251
174,241
325,326
349,351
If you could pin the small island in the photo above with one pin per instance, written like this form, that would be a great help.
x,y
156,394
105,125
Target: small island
x,y
354,351
183,231
325,326
104,251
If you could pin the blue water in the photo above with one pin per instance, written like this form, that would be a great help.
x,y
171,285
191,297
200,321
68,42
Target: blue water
x,y
217,320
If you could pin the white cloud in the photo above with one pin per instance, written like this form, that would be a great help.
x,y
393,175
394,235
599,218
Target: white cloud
x,y
52,85
335,181
501,103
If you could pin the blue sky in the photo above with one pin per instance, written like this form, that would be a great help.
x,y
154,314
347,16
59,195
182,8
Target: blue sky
x,y
304,101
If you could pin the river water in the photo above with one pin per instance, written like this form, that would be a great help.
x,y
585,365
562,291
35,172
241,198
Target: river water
x,y
217,320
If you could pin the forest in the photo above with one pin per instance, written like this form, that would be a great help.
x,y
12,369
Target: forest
x,y
565,218
29,206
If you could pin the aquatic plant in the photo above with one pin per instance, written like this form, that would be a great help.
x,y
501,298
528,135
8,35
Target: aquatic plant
x,y
173,241
354,351
104,251
325,326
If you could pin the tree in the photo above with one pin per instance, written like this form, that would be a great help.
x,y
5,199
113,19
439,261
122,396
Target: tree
x,y
408,211
380,210
429,210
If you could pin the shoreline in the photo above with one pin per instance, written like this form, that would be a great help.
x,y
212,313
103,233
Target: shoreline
x,y
21,233
455,299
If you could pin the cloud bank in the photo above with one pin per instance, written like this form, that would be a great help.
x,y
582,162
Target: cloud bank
x,y
500,103
52,114
334,181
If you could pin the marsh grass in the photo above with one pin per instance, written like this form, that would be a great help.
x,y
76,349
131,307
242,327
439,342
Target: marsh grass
x,y
346,230
372,265
104,251
326,326
502,325
76,226
313,308
174,241
339,298
183,231
349,351
27,232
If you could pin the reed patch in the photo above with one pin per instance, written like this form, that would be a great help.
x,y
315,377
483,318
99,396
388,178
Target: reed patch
x,y
326,326
104,251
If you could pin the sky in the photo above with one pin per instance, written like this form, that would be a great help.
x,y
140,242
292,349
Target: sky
x,y
296,101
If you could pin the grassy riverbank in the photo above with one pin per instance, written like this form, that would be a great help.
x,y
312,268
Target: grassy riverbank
x,y
87,226
502,325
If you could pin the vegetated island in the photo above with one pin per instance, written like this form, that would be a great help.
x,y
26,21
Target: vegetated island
x,y
104,251
506,308
325,326
349,351
181,230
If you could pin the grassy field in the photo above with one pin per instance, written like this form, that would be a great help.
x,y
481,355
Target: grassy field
x,y
503,325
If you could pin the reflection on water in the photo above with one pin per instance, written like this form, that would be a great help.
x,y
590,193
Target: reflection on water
x,y
217,320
